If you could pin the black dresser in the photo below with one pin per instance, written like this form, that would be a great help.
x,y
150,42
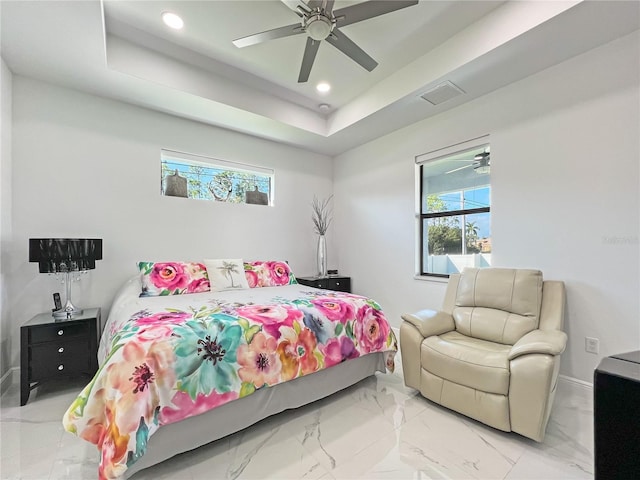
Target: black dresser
x,y
616,409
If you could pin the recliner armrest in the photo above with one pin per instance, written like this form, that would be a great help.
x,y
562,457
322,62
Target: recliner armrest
x,y
430,322
550,342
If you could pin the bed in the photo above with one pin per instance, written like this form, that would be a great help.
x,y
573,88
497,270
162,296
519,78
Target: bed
x,y
202,361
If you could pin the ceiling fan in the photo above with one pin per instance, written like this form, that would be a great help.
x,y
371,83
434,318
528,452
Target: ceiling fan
x,y
320,22
481,164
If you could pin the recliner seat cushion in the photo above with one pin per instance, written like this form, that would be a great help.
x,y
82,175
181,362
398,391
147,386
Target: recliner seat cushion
x,y
467,361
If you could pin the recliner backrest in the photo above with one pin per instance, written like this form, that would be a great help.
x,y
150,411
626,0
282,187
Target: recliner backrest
x,y
498,304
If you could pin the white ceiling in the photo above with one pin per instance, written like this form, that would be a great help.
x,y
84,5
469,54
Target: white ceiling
x,y
121,49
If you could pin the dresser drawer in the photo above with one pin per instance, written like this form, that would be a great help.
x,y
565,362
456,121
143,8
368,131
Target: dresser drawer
x,y
58,331
59,358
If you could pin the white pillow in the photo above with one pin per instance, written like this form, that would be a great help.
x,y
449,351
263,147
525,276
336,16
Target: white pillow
x,y
226,274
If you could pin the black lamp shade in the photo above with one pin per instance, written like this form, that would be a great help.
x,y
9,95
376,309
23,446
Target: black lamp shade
x,y
65,254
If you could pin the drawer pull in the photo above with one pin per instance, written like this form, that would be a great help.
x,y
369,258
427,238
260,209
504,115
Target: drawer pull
x,y
60,367
61,349
60,332
338,284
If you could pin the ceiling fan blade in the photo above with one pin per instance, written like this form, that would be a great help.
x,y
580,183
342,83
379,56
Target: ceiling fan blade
x,y
366,10
281,32
459,168
351,50
329,5
292,4
310,52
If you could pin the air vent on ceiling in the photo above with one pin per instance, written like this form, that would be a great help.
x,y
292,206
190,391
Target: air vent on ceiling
x,y
441,93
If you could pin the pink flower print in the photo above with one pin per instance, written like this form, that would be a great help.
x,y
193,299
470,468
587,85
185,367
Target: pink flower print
x,y
152,333
278,273
288,352
306,345
182,406
338,349
164,318
252,278
333,309
259,361
297,353
199,285
196,270
139,377
371,329
272,317
169,275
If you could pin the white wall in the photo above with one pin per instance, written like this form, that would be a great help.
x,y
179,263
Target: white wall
x,y
564,162
88,166
5,212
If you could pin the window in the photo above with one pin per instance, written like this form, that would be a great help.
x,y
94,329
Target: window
x,y
454,208
195,176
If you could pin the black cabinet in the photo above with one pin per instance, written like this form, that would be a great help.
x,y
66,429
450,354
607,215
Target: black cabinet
x,y
616,429
51,348
340,284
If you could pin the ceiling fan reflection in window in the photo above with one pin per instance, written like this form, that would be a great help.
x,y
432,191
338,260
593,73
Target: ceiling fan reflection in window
x,y
320,22
481,163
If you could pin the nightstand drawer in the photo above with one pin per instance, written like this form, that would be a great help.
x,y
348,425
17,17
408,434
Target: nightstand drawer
x,y
58,331
340,284
57,359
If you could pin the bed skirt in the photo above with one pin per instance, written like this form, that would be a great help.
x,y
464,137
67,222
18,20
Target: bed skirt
x,y
193,432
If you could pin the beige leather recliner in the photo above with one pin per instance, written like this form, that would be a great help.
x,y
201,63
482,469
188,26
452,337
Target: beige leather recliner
x,y
493,351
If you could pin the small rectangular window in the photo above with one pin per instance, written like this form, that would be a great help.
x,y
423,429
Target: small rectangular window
x,y
194,176
455,206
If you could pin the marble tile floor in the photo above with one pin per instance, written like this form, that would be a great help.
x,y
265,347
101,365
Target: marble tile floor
x,y
377,429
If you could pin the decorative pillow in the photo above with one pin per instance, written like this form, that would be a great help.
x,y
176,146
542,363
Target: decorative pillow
x,y
172,278
226,274
268,274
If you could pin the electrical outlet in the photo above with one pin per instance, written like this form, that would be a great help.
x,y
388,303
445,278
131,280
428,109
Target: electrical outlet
x,y
592,345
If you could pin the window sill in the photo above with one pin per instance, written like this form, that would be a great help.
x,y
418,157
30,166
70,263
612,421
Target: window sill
x,y
424,278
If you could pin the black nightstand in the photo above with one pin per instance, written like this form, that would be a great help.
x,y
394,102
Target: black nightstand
x,y
51,349
334,282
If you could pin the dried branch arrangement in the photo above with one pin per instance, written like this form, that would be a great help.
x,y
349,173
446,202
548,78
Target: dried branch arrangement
x,y
321,214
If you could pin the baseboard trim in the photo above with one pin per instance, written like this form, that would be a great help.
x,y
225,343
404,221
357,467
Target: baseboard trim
x,y
575,383
9,377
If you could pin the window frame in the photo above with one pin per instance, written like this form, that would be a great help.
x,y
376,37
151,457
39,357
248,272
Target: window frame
x,y
421,161
191,159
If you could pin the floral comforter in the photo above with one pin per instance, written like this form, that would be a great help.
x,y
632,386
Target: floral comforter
x,y
164,359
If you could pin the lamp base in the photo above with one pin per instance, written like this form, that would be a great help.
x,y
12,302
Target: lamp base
x,y
69,310
62,314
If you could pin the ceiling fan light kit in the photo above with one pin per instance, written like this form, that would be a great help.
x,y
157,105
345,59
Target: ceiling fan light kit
x,y
318,26
320,22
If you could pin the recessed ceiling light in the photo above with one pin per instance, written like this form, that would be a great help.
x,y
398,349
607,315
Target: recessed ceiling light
x,y
323,87
172,20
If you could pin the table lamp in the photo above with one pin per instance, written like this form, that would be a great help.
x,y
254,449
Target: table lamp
x,y
68,256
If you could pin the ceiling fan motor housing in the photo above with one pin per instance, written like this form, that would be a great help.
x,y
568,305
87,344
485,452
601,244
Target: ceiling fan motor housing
x,y
318,24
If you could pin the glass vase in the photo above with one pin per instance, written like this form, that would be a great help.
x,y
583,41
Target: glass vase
x,y
322,256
